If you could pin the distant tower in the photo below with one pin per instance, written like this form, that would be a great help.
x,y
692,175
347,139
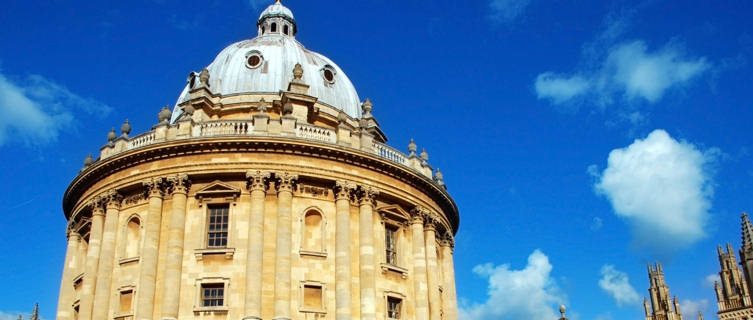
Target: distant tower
x,y
662,307
733,293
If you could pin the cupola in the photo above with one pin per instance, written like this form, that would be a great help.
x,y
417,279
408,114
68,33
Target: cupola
x,y
277,20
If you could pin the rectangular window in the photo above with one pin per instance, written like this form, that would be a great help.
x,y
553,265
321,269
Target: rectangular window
x,y
213,294
312,297
217,226
390,244
393,307
126,299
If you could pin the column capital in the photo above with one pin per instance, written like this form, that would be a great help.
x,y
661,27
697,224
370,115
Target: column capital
x,y
72,235
257,180
112,199
286,181
179,183
367,194
419,215
447,241
154,186
343,189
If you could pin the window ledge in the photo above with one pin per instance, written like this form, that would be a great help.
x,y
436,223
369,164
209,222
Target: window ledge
x,y
393,268
128,260
123,316
221,309
78,278
304,310
313,254
228,252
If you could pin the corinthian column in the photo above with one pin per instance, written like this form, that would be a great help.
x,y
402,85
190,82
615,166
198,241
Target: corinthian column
x,y
176,230
92,261
432,266
343,190
419,264
450,296
366,252
257,183
106,257
149,251
67,293
284,239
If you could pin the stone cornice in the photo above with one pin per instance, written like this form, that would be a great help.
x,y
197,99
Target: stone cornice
x,y
163,150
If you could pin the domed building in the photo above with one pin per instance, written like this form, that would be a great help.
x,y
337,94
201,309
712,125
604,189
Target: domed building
x,y
267,192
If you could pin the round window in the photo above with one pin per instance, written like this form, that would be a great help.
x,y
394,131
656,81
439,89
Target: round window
x,y
254,59
329,74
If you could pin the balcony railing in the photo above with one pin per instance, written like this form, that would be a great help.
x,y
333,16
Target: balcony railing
x,y
226,128
217,128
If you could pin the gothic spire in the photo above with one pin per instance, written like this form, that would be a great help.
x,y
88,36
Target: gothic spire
x,y
747,232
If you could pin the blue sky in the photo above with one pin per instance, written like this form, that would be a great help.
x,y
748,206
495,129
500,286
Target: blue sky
x,y
581,140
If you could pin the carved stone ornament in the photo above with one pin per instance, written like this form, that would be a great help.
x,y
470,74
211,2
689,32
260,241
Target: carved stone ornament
x,y
204,77
298,72
257,179
367,194
125,129
112,199
285,181
418,214
164,115
263,105
367,106
343,189
153,187
179,183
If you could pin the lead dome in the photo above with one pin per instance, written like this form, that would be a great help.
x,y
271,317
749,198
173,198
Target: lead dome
x,y
265,64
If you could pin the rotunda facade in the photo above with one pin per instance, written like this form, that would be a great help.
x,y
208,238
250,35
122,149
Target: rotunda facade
x,y
267,192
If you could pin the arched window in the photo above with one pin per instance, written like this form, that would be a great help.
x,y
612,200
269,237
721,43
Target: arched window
x,y
285,29
263,30
274,27
313,231
133,238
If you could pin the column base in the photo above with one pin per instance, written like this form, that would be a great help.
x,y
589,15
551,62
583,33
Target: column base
x,y
168,318
280,318
252,318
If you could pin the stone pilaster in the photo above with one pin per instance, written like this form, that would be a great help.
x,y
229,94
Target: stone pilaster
x,y
366,252
419,264
343,191
257,184
149,250
92,260
175,241
284,247
106,257
67,293
432,267
450,300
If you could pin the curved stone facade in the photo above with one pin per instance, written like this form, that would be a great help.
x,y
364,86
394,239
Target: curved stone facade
x,y
258,206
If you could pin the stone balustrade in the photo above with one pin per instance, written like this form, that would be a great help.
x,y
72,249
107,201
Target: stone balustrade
x,y
221,128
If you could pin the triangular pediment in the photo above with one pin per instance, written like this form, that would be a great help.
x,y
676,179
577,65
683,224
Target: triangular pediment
x,y
394,212
218,189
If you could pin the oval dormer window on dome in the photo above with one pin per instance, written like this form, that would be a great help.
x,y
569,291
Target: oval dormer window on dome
x,y
328,73
254,59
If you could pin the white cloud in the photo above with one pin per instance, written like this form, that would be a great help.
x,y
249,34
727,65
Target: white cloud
x,y
530,293
35,110
690,308
12,315
710,279
617,284
596,224
663,188
507,11
629,71
560,88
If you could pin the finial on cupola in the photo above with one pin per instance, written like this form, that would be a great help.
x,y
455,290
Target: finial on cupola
x,y
367,106
439,178
424,155
562,312
164,114
88,161
204,77
125,129
111,136
263,105
412,148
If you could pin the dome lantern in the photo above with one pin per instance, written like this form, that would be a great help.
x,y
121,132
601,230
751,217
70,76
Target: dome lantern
x,y
277,20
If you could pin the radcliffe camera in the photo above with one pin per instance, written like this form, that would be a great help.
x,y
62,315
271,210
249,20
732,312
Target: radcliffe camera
x,y
376,160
